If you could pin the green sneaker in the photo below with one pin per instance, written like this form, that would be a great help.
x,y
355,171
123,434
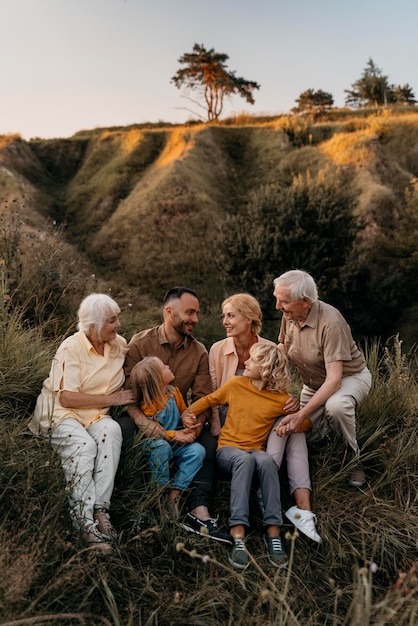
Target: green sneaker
x,y
238,555
275,551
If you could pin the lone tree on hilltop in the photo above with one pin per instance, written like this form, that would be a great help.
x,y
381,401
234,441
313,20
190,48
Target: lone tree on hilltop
x,y
372,89
205,71
313,102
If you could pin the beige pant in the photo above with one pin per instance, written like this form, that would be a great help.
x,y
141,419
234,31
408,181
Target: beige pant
x,y
296,457
339,411
89,458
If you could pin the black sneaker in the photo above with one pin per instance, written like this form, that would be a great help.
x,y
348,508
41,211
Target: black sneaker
x,y
206,528
275,551
238,555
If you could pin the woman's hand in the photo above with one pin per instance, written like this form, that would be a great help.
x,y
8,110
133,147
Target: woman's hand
x,y
124,396
81,400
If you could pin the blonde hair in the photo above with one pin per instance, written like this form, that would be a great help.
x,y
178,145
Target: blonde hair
x,y
248,307
148,383
274,367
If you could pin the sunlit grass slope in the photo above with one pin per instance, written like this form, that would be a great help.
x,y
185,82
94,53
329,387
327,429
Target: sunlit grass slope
x,y
147,204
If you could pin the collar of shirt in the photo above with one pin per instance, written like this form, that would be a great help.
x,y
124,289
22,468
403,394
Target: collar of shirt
x,y
163,339
312,318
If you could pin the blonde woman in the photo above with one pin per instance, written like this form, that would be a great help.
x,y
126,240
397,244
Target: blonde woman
x,y
242,320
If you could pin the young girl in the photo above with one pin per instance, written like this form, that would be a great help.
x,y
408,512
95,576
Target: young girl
x,y
255,401
163,403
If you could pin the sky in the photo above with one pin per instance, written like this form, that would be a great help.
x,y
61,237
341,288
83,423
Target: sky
x,y
71,65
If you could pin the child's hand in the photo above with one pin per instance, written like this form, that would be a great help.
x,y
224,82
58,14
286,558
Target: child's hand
x,y
294,423
292,405
188,419
184,436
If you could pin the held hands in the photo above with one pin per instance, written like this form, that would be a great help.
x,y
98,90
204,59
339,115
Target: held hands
x,y
295,423
186,435
188,419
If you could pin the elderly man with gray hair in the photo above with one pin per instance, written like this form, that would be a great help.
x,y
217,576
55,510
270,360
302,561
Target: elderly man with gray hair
x,y
318,341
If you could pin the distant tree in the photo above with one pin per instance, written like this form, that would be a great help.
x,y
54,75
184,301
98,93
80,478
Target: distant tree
x,y
205,72
372,89
401,94
313,102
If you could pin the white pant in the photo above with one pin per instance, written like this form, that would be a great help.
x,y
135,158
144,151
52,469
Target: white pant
x,y
339,410
89,458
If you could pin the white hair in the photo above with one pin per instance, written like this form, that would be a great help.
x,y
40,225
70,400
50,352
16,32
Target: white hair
x,y
94,310
300,284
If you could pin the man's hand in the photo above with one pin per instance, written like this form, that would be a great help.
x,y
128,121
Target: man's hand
x,y
290,424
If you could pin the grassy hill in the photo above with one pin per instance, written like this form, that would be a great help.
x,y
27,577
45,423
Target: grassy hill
x,y
133,211
149,207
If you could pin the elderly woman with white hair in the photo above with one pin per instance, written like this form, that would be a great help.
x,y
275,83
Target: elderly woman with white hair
x,y
72,411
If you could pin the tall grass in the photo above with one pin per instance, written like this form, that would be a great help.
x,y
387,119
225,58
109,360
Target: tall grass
x,y
364,573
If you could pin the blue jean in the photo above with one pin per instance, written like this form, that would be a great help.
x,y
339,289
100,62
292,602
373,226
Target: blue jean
x,y
244,465
188,459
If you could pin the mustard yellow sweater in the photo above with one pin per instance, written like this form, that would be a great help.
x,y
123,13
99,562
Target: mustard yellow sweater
x,y
251,412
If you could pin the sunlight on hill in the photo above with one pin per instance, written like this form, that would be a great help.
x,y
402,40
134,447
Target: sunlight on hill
x,y
355,149
6,140
130,140
181,141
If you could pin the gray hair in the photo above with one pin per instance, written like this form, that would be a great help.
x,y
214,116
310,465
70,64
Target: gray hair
x,y
300,284
94,310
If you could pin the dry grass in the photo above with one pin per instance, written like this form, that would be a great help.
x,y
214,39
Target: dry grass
x,y
364,573
175,186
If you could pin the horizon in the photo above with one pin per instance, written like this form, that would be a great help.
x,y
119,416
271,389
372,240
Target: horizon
x,y
74,67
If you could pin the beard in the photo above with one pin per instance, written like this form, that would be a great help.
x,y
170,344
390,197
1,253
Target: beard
x,y
185,329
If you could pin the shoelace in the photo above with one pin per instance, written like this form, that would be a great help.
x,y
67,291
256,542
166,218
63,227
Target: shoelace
x,y
213,521
93,529
276,544
308,519
239,545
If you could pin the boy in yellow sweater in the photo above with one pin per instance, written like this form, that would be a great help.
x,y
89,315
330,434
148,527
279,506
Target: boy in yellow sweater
x,y
255,401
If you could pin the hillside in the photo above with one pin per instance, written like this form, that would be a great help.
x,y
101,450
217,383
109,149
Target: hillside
x,y
225,208
149,207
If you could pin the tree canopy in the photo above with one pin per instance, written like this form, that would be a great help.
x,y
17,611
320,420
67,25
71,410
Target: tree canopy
x,y
373,89
313,102
205,71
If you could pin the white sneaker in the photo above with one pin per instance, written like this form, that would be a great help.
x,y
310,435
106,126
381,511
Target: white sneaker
x,y
304,521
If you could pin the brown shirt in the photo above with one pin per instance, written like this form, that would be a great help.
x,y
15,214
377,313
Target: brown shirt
x,y
189,361
325,337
